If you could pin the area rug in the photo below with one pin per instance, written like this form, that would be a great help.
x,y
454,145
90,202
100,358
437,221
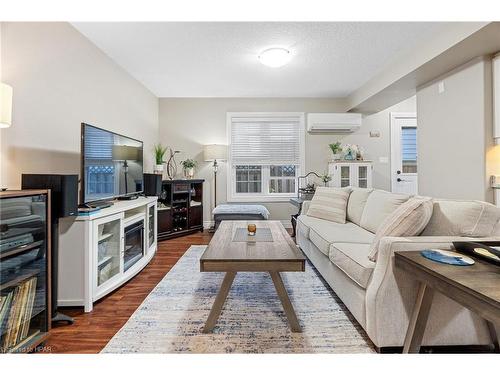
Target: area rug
x,y
171,318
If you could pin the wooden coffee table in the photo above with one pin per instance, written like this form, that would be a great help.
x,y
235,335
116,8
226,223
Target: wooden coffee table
x,y
223,254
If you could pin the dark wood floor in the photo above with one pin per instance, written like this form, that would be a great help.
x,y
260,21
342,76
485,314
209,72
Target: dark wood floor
x,y
91,331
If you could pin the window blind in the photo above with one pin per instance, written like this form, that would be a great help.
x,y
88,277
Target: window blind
x,y
409,143
265,140
98,144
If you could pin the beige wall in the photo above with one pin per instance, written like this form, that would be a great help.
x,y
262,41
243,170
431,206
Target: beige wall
x,y
188,124
455,134
61,79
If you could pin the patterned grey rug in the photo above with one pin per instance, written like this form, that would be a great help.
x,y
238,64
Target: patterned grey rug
x,y
171,318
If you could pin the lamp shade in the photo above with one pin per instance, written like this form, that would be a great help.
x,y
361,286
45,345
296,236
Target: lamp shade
x,y
5,105
121,152
214,152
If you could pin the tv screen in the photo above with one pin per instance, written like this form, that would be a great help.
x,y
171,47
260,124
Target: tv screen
x,y
111,165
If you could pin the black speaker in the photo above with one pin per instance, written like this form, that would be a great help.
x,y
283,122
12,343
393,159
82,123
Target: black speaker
x,y
63,202
64,191
152,185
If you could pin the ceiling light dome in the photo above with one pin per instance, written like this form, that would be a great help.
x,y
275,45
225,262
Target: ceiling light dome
x,y
275,57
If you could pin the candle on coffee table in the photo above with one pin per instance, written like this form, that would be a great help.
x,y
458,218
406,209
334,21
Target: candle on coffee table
x,y
252,228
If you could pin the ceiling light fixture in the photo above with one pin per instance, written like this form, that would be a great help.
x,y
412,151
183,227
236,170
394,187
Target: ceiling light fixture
x,y
275,57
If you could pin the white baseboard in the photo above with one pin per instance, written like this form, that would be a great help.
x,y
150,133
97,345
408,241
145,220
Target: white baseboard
x,y
70,302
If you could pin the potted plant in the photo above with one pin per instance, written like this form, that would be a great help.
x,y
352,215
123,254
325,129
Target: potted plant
x,y
159,152
336,150
188,166
326,178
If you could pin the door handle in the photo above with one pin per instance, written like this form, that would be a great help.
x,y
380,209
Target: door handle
x,y
400,180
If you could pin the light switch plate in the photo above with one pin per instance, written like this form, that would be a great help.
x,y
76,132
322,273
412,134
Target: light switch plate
x,y
383,159
441,87
374,134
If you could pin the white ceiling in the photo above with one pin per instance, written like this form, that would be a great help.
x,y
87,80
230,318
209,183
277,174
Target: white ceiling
x,y
213,59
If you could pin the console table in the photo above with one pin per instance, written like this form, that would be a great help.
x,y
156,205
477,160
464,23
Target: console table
x,y
297,202
101,251
475,287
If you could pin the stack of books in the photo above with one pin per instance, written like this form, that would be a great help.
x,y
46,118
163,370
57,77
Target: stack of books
x,y
16,309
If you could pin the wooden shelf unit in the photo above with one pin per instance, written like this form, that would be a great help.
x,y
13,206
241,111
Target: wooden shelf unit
x,y
180,209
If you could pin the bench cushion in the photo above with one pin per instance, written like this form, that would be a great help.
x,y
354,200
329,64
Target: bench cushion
x,y
242,210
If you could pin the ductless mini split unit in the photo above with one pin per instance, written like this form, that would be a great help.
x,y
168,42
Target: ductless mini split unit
x,y
333,122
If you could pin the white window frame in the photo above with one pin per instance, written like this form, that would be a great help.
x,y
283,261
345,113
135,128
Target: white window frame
x,y
232,196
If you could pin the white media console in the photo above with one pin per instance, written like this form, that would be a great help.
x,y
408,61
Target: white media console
x,y
101,251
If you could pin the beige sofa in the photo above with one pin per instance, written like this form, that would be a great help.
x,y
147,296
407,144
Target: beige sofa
x,y
380,297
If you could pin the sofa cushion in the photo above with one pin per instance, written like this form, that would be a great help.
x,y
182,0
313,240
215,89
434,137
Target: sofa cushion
x,y
462,218
409,219
352,259
324,233
379,205
329,204
356,204
304,222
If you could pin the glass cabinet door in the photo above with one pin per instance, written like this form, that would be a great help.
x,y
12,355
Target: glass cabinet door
x,y
151,226
345,176
108,250
363,176
23,271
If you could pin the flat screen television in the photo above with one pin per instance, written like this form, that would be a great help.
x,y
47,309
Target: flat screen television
x,y
112,165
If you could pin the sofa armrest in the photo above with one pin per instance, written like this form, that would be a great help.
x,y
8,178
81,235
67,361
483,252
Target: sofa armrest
x,y
305,207
391,293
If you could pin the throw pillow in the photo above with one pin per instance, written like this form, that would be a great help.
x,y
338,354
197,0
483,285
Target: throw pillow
x,y
329,204
409,219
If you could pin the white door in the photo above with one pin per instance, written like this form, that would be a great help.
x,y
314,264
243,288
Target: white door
x,y
404,169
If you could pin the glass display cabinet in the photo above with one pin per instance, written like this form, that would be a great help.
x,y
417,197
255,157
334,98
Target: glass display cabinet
x,y
24,271
356,173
